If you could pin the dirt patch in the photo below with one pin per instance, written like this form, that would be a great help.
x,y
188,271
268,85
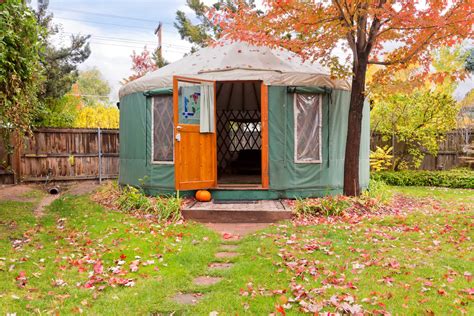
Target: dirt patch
x,y
82,188
187,298
45,202
206,280
18,193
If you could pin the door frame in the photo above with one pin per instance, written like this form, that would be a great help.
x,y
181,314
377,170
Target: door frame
x,y
176,123
265,180
265,130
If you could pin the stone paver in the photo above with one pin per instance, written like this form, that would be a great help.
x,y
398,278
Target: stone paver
x,y
206,280
233,231
187,298
220,266
226,254
229,247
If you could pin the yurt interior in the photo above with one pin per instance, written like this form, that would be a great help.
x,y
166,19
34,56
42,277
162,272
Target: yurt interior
x,y
239,133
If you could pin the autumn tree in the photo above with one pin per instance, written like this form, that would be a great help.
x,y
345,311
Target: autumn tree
x,y
418,121
92,87
393,34
60,62
97,115
415,111
469,65
466,115
142,63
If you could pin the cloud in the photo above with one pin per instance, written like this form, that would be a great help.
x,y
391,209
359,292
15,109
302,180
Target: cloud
x,y
112,45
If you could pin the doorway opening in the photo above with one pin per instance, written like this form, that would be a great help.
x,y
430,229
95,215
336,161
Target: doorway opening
x,y
239,133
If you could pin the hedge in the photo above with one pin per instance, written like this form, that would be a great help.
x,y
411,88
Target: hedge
x,y
455,178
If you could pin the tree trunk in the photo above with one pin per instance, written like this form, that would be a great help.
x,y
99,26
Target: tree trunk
x,y
351,162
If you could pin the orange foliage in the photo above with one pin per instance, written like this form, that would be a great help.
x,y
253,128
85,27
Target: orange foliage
x,y
383,32
390,33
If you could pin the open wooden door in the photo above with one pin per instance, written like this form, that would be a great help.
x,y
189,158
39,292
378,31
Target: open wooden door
x,y
195,149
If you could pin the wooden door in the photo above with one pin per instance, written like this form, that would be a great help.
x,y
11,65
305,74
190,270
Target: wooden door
x,y
195,152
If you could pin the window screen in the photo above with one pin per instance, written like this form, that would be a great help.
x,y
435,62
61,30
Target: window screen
x,y
308,118
163,128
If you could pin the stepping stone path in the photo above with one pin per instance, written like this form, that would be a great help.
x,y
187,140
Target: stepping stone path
x,y
228,251
229,232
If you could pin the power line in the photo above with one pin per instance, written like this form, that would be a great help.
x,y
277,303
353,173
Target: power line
x,y
105,23
112,15
113,24
131,46
118,39
132,41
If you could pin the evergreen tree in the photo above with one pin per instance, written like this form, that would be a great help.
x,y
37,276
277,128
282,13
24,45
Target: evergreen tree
x,y
60,63
200,33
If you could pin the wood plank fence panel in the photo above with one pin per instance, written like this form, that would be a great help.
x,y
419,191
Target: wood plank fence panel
x,y
6,172
450,149
70,154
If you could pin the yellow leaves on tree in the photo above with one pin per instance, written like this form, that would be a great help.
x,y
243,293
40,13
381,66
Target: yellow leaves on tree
x,y
97,116
381,158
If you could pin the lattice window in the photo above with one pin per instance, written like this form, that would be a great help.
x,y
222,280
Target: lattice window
x,y
236,131
163,129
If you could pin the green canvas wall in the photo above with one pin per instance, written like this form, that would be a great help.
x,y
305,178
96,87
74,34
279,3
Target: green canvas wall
x,y
312,179
132,134
287,179
136,167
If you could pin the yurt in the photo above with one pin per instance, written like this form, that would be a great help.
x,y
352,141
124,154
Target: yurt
x,y
245,122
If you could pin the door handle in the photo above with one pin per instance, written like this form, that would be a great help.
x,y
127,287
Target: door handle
x,y
178,137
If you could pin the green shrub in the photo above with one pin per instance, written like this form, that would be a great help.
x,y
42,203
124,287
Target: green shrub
x,y
378,190
455,178
131,199
168,208
327,206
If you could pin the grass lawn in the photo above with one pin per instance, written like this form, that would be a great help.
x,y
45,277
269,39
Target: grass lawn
x,y
80,257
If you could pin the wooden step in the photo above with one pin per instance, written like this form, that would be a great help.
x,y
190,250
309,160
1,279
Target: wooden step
x,y
262,211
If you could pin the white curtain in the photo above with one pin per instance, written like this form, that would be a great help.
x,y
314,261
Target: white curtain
x,y
207,108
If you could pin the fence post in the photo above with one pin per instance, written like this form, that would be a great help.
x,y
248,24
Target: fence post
x,y
16,157
99,141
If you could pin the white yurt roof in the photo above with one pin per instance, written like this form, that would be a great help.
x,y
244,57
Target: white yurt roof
x,y
239,61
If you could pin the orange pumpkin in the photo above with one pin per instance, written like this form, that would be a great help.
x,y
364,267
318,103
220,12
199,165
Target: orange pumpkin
x,y
203,196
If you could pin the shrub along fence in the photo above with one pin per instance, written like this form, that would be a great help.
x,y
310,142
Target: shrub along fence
x,y
456,178
55,154
451,150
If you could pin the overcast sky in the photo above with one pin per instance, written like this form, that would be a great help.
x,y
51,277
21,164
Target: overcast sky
x,y
120,26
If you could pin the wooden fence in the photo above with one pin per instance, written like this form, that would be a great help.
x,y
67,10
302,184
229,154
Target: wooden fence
x,y
67,154
93,154
450,150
